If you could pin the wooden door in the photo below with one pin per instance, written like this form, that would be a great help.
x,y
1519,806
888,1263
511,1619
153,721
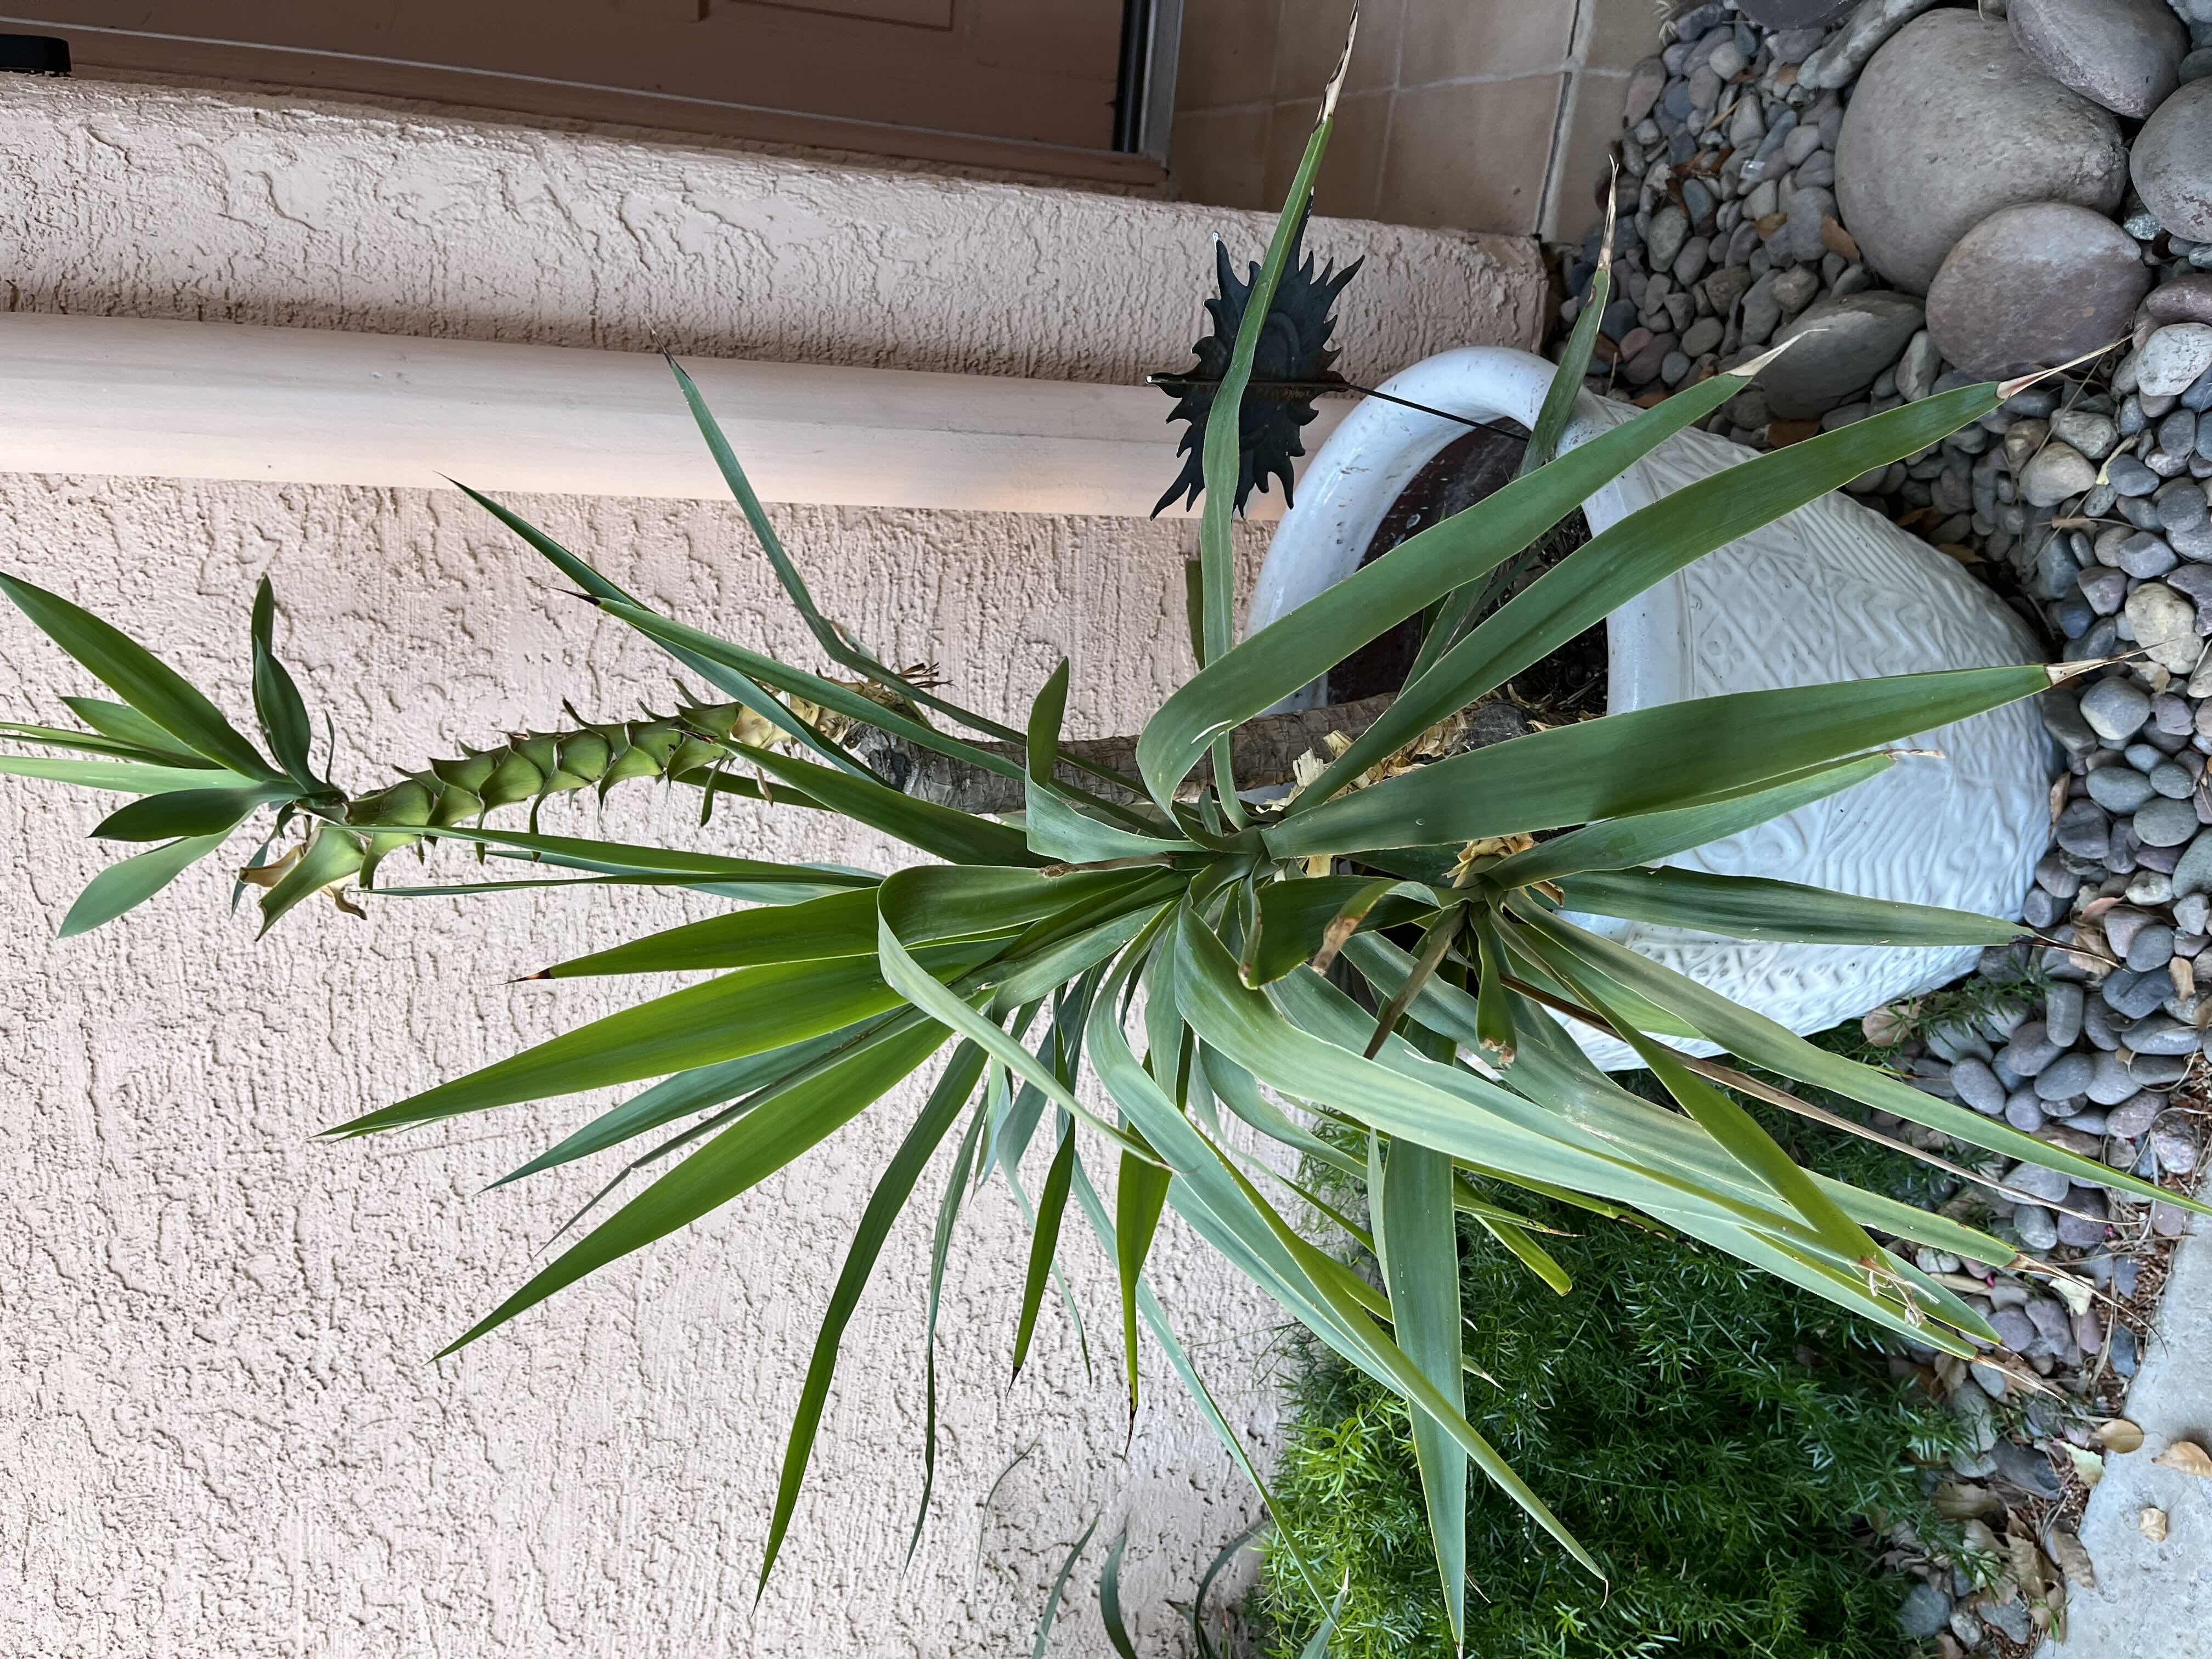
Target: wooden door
x,y
1032,84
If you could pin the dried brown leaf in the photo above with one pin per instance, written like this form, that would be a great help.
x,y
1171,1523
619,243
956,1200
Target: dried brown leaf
x,y
2187,1457
2151,1523
1885,1027
2026,1565
2073,1560
2119,1434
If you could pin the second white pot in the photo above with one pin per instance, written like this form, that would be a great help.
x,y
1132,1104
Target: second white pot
x,y
1833,591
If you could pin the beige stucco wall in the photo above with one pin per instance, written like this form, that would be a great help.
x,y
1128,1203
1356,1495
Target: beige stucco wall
x,y
219,1432
131,200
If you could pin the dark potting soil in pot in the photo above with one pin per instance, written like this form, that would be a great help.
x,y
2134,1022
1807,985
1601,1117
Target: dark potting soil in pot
x,y
1569,684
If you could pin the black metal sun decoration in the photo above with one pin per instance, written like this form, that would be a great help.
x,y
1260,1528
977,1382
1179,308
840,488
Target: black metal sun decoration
x,y
1293,367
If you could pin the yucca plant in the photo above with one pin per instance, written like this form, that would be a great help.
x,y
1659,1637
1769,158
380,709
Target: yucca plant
x,y
1384,948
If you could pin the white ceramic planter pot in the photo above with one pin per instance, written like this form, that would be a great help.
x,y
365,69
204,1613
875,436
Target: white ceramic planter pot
x,y
1834,591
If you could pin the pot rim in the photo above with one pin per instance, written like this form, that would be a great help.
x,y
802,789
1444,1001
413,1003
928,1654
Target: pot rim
x,y
1367,462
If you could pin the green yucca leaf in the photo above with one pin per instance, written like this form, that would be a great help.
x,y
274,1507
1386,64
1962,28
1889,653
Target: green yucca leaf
x,y
1543,447
1649,761
189,812
1617,843
1549,1068
1239,1090
948,1211
124,777
744,1013
1558,1069
125,886
126,725
1043,1642
1644,549
1044,1238
1723,1119
1031,1217
1293,650
906,902
838,925
741,892
1647,1015
1014,1113
1417,1238
1752,906
1057,825
731,682
1024,979
833,643
629,859
1140,1194
1222,453
89,742
1494,1007
1240,1022
943,832
797,682
1765,1043
942,1109
151,686
1110,1598
754,1147
699,1090
1661,1164
1565,389
277,700
1304,918
1531,1254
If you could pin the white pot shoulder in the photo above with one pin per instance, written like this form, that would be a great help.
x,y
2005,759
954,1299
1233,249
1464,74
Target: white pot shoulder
x,y
1832,592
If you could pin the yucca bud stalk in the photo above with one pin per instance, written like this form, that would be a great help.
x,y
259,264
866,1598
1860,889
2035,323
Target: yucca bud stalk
x,y
534,766
699,740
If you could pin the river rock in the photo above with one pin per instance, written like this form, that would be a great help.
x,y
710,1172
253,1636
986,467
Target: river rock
x,y
2119,789
1952,121
2174,1148
2181,299
1841,345
2171,163
2116,710
2165,624
2057,471
2124,54
1925,1611
2093,434
2032,286
2173,358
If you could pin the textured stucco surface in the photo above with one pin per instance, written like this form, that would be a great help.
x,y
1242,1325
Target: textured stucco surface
x,y
126,199
219,1432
